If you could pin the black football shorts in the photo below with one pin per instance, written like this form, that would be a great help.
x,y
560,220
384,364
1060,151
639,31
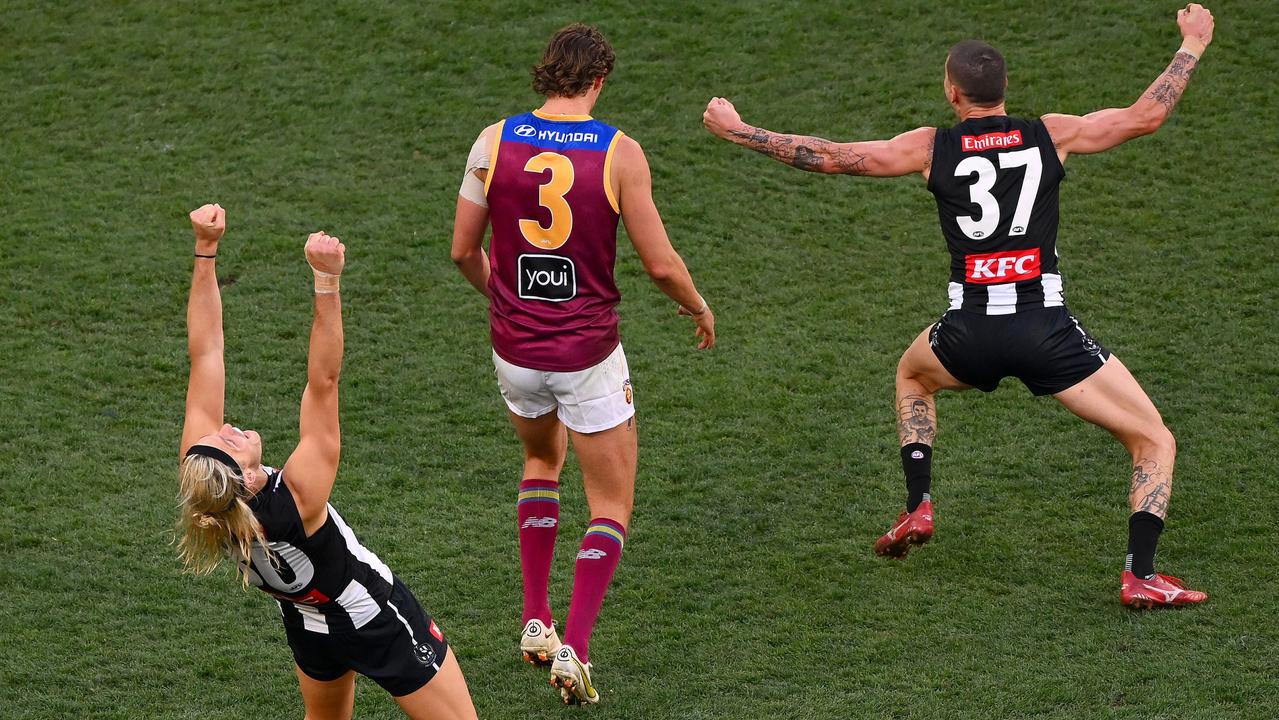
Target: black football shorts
x,y
1045,348
401,649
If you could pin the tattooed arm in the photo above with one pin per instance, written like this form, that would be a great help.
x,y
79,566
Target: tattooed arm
x,y
910,152
1105,129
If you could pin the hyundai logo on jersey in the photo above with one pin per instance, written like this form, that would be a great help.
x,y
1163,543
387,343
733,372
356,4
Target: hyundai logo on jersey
x,y
547,277
525,130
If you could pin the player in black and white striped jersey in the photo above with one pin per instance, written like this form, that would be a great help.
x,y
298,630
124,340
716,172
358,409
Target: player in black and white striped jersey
x,y
995,179
343,610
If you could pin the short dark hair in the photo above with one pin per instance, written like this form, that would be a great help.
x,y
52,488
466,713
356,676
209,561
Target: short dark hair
x,y
978,70
574,57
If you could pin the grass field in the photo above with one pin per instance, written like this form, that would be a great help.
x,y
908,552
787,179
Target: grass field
x,y
768,466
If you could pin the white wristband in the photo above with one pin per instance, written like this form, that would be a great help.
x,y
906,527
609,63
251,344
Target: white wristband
x,y
325,283
1183,49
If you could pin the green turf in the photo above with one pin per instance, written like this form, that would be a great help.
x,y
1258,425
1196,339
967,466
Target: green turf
x,y
767,466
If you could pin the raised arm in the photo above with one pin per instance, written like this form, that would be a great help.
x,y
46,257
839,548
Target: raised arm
x,y
910,152
472,215
1107,128
634,185
206,386
313,466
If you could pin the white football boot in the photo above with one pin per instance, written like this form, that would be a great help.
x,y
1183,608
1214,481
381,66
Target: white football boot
x,y
573,678
539,642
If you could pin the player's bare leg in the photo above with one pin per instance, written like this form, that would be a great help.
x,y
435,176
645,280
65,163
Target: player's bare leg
x,y
608,460
545,442
327,700
445,697
1112,399
919,376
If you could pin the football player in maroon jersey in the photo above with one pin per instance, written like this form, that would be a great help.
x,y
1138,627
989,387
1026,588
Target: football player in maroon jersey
x,y
553,184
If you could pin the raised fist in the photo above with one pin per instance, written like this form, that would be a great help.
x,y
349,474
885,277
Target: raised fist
x,y
325,253
1195,22
209,222
721,117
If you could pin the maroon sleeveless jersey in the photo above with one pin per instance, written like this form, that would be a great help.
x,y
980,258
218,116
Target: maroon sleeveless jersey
x,y
553,298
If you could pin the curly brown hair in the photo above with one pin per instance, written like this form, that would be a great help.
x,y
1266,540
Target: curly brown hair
x,y
574,57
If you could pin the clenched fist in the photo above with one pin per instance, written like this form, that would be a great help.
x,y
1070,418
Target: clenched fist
x,y
721,118
325,253
209,222
1196,23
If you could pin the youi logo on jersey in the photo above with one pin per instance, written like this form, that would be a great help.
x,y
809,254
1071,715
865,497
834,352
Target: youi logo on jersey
x,y
547,277
1002,267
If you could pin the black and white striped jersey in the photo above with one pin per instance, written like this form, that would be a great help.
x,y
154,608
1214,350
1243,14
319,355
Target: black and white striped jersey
x,y
996,182
326,583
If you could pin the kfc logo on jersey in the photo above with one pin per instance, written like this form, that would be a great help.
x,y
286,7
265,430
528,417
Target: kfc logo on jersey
x,y
1002,267
547,277
524,131
990,141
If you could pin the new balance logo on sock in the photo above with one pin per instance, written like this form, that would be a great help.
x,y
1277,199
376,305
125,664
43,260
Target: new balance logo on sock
x,y
591,554
539,522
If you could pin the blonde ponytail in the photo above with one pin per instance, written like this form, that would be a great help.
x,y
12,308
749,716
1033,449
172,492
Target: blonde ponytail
x,y
214,521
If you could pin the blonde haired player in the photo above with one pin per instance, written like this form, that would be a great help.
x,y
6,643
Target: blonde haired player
x,y
343,610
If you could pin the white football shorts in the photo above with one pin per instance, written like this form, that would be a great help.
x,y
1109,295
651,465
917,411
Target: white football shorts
x,y
597,398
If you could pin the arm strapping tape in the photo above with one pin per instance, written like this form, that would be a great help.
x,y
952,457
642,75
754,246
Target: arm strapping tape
x,y
472,187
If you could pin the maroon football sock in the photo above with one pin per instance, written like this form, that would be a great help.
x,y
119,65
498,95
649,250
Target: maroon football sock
x,y
596,561
538,511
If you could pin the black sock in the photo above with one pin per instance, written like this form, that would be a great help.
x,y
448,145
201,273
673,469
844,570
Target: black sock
x,y
1143,537
917,463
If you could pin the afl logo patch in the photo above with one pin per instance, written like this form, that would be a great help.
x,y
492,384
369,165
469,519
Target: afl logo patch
x,y
524,130
626,388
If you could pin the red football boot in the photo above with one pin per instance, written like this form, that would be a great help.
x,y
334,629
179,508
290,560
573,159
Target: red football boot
x,y
1159,591
914,528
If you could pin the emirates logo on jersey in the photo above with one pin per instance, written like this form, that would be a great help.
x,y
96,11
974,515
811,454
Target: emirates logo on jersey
x,y
990,141
1002,267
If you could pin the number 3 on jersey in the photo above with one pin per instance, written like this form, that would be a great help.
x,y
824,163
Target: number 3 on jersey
x,y
979,192
550,195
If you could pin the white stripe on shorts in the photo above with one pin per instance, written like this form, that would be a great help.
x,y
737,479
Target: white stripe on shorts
x,y
412,637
